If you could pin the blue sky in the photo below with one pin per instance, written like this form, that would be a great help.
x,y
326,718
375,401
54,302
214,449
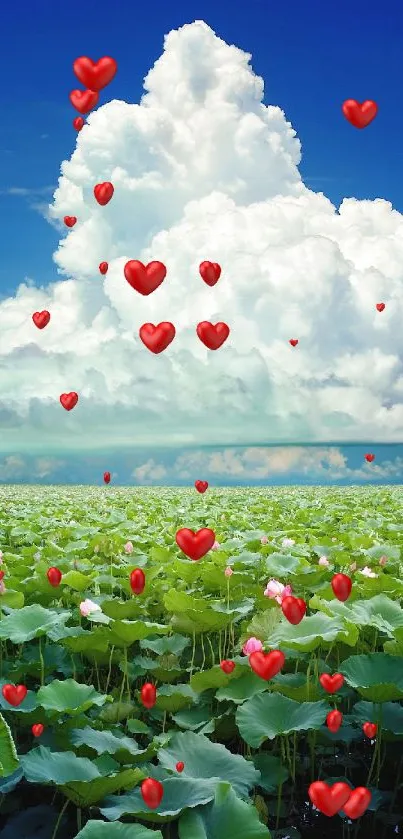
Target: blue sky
x,y
310,58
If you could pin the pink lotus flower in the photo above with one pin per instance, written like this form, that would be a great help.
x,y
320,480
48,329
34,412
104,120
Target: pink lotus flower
x,y
324,562
252,645
87,607
277,591
288,543
264,540
2,587
215,546
129,547
367,572
228,571
383,560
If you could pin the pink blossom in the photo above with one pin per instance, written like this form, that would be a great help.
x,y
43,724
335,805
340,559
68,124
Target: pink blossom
x,y
2,587
228,571
324,562
129,547
288,543
276,590
383,560
87,607
367,572
252,645
1,557
264,540
215,546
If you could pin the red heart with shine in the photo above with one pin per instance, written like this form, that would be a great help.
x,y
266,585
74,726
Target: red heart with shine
x,y
358,803
69,400
212,336
144,278
370,458
293,608
83,100
293,342
157,338
107,477
14,694
41,319
54,576
370,729
334,720
137,581
227,666
267,665
210,272
195,545
152,792
360,114
180,766
201,486
70,221
341,585
148,695
331,684
103,193
329,799
78,123
380,307
2,573
95,74
103,267
37,729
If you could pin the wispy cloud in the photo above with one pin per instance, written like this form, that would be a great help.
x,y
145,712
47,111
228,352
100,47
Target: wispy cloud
x,y
27,192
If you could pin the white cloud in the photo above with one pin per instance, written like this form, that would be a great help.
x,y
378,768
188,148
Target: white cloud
x,y
203,170
149,472
15,467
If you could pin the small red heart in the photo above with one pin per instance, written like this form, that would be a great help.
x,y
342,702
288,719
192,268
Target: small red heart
x,y
54,576
14,694
103,193
201,486
137,581
227,666
293,609
357,803
78,123
370,458
107,477
84,100
195,545
180,766
210,272
360,114
267,665
38,729
103,267
69,400
41,319
380,307
2,573
148,695
334,720
152,792
370,729
331,684
293,342
95,74
157,338
329,799
212,336
144,278
70,221
341,585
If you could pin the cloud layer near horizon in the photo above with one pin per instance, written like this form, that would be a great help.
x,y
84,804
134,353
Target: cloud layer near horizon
x,y
203,170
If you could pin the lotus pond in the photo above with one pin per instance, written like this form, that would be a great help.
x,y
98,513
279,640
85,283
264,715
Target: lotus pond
x,y
235,753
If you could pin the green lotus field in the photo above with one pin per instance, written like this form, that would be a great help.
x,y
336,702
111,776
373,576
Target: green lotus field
x,y
233,752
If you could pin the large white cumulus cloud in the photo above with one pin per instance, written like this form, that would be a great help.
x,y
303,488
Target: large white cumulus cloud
x,y
203,170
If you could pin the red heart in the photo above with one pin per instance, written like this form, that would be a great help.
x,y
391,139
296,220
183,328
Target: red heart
x,y
210,272
334,720
293,342
201,486
331,684
329,799
95,74
70,221
360,114
54,576
293,608
2,573
212,336
152,792
107,477
103,193
227,666
370,729
69,400
180,766
84,100
370,458
14,694
195,545
341,585
137,581
267,665
41,319
38,729
157,338
144,278
148,695
78,123
358,803
380,307
103,267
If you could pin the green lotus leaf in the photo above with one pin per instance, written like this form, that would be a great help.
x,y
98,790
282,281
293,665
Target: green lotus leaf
x,y
268,715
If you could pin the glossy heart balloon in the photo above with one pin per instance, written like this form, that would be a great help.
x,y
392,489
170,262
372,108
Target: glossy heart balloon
x,y
95,74
107,477
331,684
2,573
180,766
267,665
38,729
103,193
227,666
370,729
148,695
41,319
357,803
210,272
195,545
341,585
69,400
137,581
70,221
201,486
78,123
152,793
329,799
293,609
54,576
334,720
157,337
103,268
14,694
144,278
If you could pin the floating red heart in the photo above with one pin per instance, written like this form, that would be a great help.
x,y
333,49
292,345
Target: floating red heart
x,y
201,486
70,221
37,729
144,278
84,100
103,193
54,576
14,694
331,684
180,766
227,666
41,319
69,400
107,477
370,458
267,665
212,336
334,720
148,695
210,272
152,792
360,114
370,729
329,799
195,545
2,573
95,74
380,307
341,585
357,803
137,581
103,267
157,338
293,342
293,609
78,123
